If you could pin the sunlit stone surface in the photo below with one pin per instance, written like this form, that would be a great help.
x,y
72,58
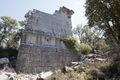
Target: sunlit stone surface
x,y
42,46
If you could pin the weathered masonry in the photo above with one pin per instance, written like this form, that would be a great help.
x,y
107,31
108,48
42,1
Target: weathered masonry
x,y
42,47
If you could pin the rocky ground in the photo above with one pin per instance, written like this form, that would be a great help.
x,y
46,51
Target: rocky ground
x,y
87,62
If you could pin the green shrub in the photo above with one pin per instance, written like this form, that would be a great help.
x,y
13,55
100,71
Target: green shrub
x,y
111,69
74,75
101,45
85,48
69,76
70,43
104,65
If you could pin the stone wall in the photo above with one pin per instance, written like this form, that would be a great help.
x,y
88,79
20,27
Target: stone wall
x,y
57,24
34,59
42,46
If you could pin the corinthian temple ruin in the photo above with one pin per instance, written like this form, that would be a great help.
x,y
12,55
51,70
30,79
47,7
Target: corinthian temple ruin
x,y
42,46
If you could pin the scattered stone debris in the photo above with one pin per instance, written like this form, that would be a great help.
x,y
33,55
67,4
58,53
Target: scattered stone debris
x,y
45,75
100,59
4,61
3,76
67,69
14,76
8,73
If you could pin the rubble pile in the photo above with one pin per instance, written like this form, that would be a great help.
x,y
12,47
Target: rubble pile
x,y
8,73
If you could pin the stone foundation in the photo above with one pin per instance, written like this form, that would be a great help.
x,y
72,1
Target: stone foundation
x,y
34,59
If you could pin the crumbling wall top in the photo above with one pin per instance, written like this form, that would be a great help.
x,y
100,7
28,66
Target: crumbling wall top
x,y
58,23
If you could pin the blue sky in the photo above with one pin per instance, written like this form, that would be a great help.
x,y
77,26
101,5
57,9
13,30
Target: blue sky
x,y
17,8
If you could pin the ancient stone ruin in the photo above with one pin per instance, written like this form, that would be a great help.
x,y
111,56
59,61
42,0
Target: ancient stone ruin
x,y
42,46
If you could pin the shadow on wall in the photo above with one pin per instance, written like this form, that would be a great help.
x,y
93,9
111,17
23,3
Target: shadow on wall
x,y
8,52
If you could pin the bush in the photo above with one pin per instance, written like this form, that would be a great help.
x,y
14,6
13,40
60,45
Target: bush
x,y
68,76
101,45
85,48
113,70
104,66
72,76
70,43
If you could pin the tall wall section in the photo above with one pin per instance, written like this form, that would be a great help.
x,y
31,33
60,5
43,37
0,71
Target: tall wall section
x,y
34,59
42,46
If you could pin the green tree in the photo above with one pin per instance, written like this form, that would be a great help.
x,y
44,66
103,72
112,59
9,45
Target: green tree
x,y
8,32
87,35
106,15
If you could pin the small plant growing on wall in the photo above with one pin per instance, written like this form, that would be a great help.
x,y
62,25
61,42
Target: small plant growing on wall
x,y
70,43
